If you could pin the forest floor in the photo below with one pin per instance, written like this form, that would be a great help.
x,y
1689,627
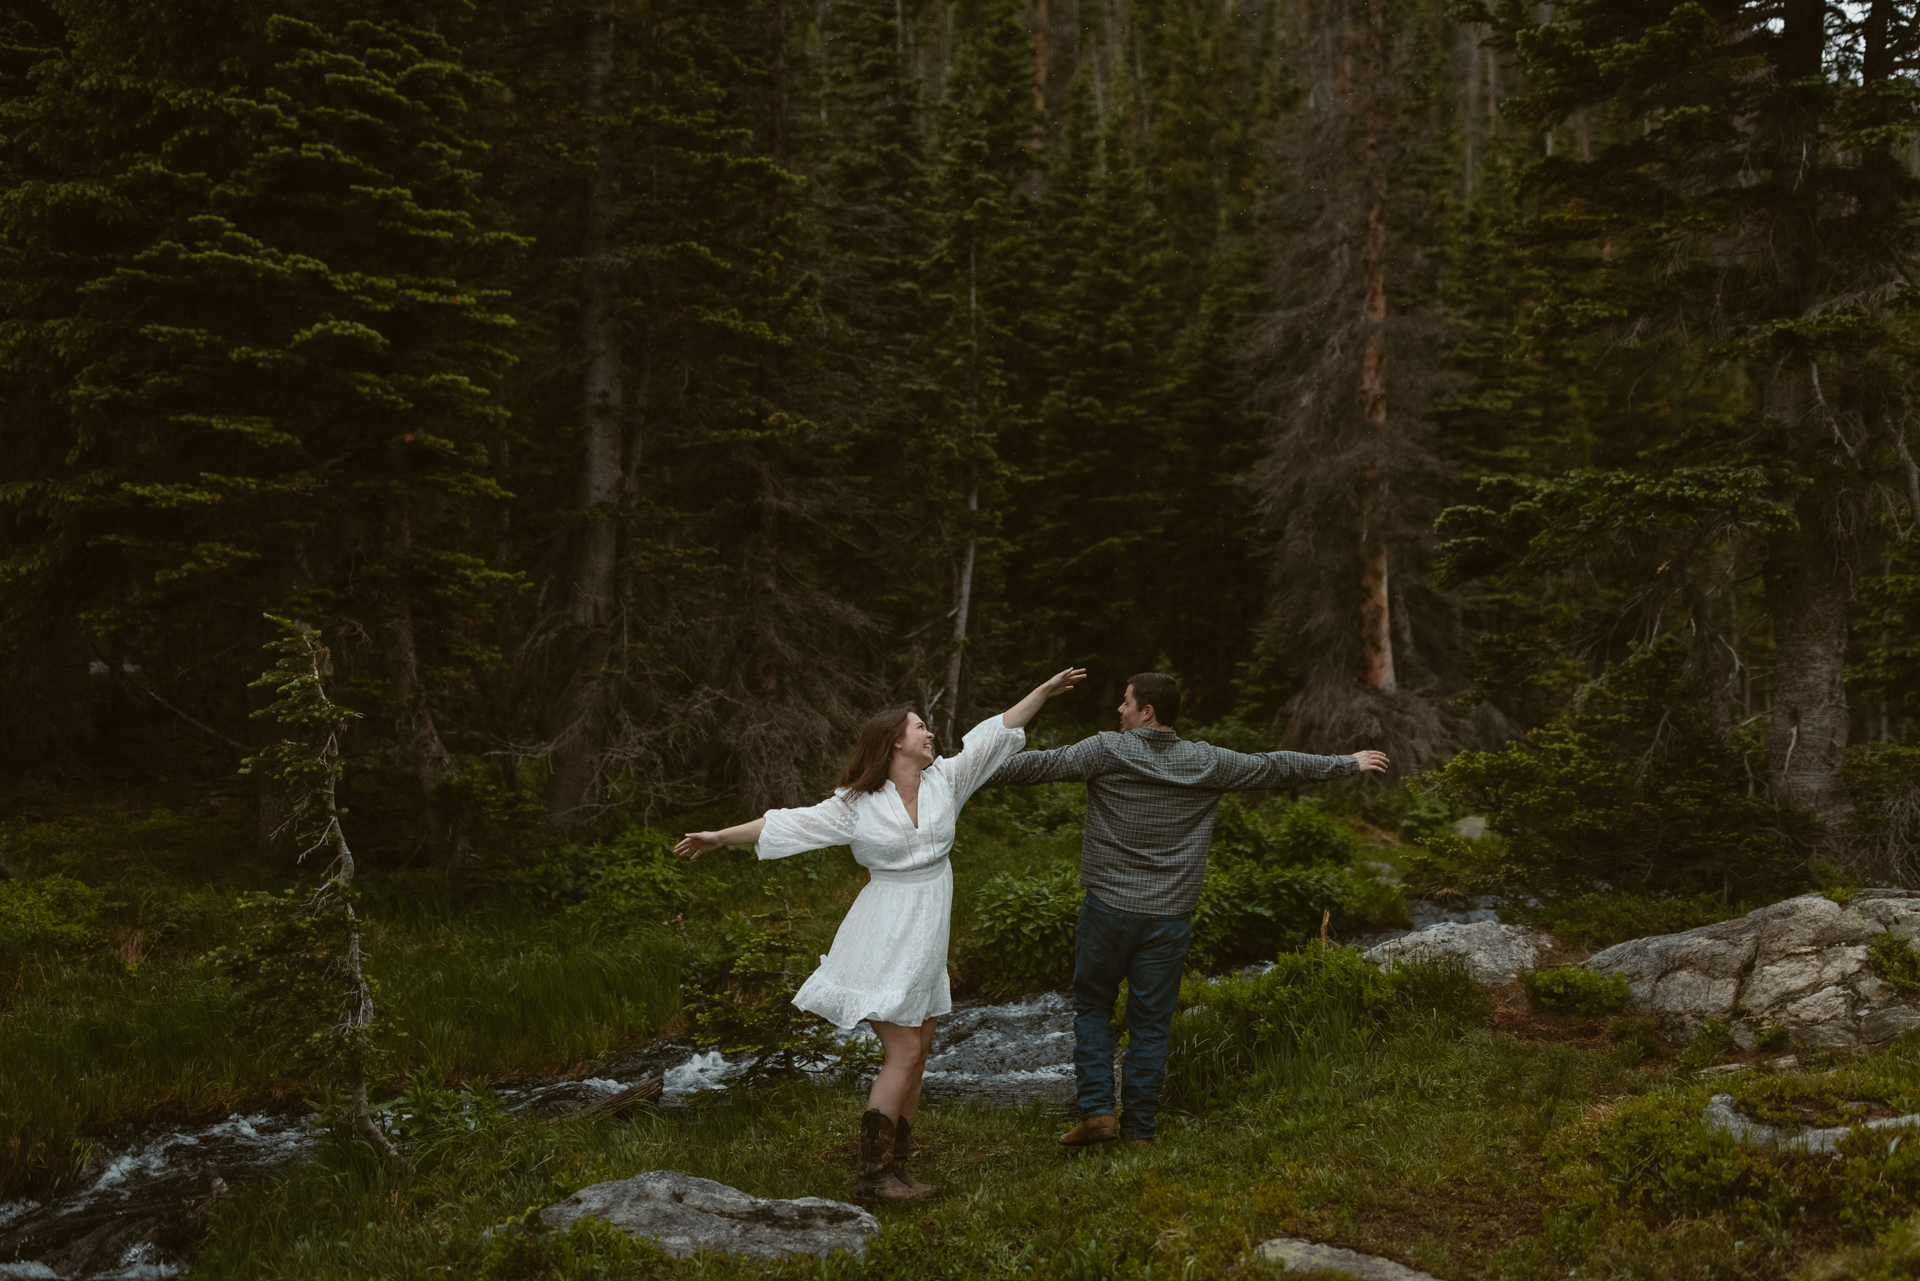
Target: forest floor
x,y
1476,1139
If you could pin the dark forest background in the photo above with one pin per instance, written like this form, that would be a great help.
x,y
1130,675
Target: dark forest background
x,y
638,394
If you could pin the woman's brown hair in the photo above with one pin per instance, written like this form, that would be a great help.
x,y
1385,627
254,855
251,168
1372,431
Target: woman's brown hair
x,y
866,768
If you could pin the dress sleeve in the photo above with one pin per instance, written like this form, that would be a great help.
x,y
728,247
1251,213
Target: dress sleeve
x,y
814,827
987,747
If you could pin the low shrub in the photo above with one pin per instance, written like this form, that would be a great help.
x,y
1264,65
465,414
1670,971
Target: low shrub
x,y
1248,910
741,1001
1444,863
1634,789
52,913
1582,991
1024,928
646,886
1712,1042
1652,1156
1603,919
1234,1029
1895,961
1303,834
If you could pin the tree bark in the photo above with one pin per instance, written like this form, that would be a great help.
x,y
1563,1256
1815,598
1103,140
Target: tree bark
x,y
962,602
442,806
573,779
360,1017
1808,583
1376,614
1808,594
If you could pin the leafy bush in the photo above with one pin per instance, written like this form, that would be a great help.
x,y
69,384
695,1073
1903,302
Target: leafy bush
x,y
1583,991
630,876
741,1001
1304,835
1024,927
647,885
52,913
1044,810
1895,961
1442,861
1712,1042
1249,910
1631,791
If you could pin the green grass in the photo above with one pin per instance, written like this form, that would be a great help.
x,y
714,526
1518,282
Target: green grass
x,y
1419,1145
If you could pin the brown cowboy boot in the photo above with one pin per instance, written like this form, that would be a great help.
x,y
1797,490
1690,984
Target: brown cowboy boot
x,y
902,1153
1091,1130
877,1179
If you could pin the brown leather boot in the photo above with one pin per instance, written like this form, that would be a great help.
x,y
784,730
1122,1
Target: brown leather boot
x,y
902,1153
1091,1130
877,1179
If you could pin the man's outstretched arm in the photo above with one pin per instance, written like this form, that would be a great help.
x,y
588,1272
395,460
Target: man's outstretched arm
x,y
1268,771
1075,763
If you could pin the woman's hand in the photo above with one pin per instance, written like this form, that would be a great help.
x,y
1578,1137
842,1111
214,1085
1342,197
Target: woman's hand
x,y
694,844
1020,713
1062,682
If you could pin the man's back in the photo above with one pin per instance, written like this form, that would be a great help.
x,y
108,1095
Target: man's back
x,y
1151,799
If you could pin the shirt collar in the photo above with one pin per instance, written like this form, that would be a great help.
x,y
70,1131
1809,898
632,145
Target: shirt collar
x,y
1156,735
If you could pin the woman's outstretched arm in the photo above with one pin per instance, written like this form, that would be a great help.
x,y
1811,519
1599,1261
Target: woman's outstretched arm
x,y
694,844
1017,716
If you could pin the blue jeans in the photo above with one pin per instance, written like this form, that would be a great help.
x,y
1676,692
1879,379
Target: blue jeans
x,y
1148,952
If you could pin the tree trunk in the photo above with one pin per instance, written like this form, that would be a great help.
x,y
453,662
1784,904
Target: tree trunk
x,y
1808,583
573,780
1808,594
1376,614
962,602
360,1018
434,768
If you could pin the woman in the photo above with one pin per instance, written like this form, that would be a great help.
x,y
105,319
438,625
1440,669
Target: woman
x,y
895,805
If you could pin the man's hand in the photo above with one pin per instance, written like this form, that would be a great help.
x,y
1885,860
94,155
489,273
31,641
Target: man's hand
x,y
1371,762
694,844
1062,682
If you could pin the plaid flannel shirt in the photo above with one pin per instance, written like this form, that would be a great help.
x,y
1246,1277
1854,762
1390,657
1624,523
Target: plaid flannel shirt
x,y
1151,798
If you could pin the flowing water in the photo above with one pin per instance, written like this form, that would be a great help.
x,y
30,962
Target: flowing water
x,y
137,1210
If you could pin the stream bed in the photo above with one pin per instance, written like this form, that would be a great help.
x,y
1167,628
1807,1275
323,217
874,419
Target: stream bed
x,y
137,1210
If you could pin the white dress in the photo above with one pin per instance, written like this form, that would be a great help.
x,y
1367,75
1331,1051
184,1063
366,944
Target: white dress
x,y
889,958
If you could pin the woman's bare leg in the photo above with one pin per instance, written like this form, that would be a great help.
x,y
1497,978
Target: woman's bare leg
x,y
896,1091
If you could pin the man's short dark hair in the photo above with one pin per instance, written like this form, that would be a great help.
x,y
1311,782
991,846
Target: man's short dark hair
x,y
1158,691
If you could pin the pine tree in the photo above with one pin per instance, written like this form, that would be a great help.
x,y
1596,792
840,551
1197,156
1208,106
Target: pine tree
x,y
1743,206
277,378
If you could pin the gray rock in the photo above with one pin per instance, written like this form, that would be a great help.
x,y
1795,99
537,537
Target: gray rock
x,y
1472,827
682,1214
1494,953
1801,964
1304,1256
1721,1115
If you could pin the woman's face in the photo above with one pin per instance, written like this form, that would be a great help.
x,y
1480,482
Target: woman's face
x,y
915,744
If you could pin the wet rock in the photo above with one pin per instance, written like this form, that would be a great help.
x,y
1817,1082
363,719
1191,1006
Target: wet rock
x,y
682,1214
1494,953
1722,1115
1801,965
1304,1256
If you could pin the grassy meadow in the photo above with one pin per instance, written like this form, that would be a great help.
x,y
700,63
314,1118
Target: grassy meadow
x,y
1412,1115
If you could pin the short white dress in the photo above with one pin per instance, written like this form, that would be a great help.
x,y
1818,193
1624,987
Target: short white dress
x,y
889,958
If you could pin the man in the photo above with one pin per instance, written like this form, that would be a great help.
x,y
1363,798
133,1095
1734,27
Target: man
x,y
1151,798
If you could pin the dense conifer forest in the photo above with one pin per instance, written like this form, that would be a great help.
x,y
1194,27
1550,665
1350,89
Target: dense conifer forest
x,y
638,394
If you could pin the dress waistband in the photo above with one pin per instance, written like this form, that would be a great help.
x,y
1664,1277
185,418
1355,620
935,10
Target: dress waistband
x,y
911,875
